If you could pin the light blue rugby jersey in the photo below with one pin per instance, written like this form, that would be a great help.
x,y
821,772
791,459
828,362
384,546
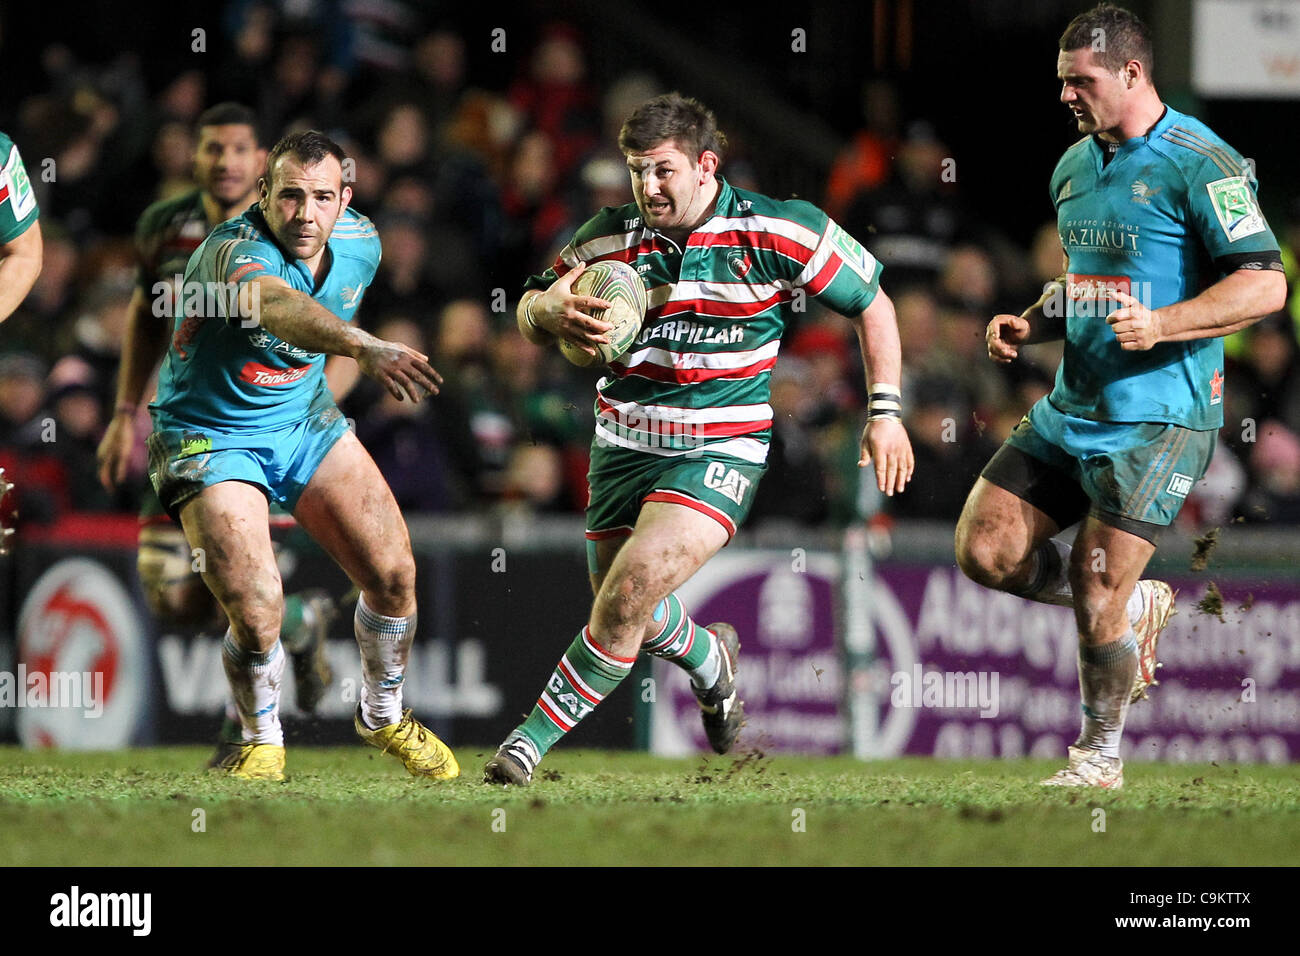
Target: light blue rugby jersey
x,y
1171,213
222,373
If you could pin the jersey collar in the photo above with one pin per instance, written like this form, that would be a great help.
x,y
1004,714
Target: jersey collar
x,y
1166,120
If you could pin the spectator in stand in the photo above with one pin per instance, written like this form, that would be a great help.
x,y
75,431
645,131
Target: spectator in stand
x,y
535,481
22,396
424,450
534,208
97,333
77,413
462,351
867,162
25,434
950,450
436,80
173,158
1264,380
970,278
1274,495
555,98
402,284
403,142
912,221
794,487
918,329
960,347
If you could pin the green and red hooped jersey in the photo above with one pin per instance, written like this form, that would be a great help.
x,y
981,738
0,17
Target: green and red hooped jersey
x,y
166,235
699,372
18,209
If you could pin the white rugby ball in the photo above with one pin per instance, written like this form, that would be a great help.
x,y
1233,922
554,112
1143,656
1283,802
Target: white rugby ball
x,y
616,282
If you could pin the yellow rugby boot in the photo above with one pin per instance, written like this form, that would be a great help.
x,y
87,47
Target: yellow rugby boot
x,y
420,751
256,762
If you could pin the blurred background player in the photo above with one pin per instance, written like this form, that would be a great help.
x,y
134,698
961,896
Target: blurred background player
x,y
244,417
683,418
20,230
1130,425
228,159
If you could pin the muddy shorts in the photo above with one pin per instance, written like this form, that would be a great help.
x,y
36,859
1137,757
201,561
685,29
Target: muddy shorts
x,y
620,481
1133,476
182,462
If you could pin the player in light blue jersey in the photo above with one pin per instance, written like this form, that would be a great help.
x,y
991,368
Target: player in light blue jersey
x,y
1166,252
243,417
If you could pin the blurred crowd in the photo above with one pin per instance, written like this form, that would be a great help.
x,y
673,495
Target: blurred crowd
x,y
475,184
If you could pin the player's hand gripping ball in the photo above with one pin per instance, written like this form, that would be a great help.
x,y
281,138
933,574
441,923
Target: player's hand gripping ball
x,y
615,282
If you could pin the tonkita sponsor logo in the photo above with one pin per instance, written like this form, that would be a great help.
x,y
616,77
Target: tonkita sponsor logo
x,y
256,374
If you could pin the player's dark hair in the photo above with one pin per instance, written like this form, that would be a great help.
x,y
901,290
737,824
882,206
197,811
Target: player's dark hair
x,y
309,147
683,120
1116,35
230,114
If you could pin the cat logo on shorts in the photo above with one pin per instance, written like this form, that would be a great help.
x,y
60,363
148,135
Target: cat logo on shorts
x,y
726,481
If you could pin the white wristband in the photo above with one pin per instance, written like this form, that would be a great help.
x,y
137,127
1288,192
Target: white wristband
x,y
528,313
884,401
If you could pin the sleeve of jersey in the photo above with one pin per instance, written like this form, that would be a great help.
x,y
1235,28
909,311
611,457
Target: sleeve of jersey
x,y
564,262
234,263
841,273
146,253
17,199
597,238
1225,213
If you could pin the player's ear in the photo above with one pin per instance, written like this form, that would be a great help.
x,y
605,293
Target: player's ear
x,y
708,165
346,197
263,191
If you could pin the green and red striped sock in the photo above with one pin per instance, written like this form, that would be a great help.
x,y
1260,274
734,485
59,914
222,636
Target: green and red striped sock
x,y
583,678
685,643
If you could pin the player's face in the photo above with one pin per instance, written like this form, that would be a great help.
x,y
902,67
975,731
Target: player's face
x,y
302,203
227,162
1095,95
670,188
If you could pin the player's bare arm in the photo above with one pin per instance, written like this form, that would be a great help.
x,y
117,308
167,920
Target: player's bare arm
x,y
558,313
298,319
1044,321
1236,301
884,439
143,346
20,264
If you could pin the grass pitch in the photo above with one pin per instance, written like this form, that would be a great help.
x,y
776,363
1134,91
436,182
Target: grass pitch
x,y
351,805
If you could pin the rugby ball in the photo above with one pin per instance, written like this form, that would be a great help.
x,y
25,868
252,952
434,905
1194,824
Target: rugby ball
x,y
616,282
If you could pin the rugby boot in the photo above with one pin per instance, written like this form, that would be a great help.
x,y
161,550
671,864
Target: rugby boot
x,y
722,709
420,751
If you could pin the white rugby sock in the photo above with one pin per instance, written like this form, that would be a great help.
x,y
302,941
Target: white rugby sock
x,y
1106,674
385,644
255,687
1135,605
